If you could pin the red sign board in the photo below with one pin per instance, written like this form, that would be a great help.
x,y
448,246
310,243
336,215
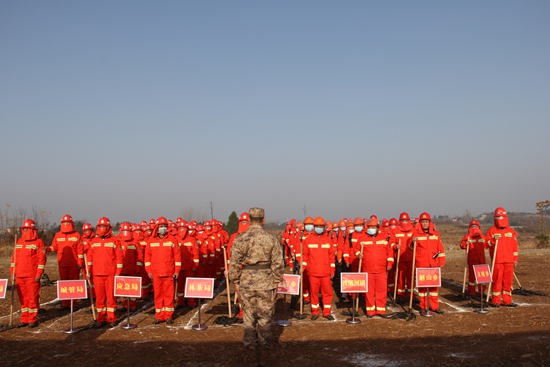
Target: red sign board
x,y
354,282
289,285
483,274
3,288
428,277
72,289
199,287
129,287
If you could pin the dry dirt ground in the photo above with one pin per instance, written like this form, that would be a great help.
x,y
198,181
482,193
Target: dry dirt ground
x,y
460,337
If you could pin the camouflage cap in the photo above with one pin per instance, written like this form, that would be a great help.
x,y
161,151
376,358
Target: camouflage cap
x,y
256,212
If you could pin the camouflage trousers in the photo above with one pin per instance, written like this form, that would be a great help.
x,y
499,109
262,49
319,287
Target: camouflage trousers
x,y
258,307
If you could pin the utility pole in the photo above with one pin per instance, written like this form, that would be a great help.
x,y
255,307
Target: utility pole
x,y
211,209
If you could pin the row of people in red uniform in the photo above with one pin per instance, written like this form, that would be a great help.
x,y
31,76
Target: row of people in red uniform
x,y
326,247
163,252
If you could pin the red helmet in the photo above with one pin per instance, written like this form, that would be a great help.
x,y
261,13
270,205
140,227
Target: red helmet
x,y
87,226
385,223
404,216
66,218
208,223
393,222
104,221
125,226
244,217
161,220
146,227
500,212
137,228
200,228
29,223
474,223
152,222
182,223
425,216
144,223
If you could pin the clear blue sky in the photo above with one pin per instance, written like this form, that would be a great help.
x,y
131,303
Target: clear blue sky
x,y
136,109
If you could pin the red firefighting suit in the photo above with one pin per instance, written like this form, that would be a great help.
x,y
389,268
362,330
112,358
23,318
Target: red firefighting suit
x,y
70,254
506,258
132,257
163,262
429,254
475,242
318,259
30,260
189,264
105,260
377,259
403,234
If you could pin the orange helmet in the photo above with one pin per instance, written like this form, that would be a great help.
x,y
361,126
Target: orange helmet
x,y
308,220
358,221
319,221
342,223
373,222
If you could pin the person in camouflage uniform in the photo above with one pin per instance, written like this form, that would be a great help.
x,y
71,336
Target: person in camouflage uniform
x,y
256,269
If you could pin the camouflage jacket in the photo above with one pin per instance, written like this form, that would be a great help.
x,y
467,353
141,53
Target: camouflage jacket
x,y
256,260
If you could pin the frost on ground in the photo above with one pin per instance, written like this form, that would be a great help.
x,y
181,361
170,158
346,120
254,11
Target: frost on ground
x,y
373,360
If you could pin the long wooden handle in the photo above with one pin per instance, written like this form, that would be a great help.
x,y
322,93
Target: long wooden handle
x,y
227,282
466,266
412,277
517,280
13,285
301,278
91,286
396,271
359,270
492,269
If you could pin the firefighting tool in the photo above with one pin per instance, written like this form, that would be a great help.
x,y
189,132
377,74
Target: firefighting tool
x,y
227,281
396,271
13,282
526,292
492,270
355,311
463,296
412,316
301,316
91,286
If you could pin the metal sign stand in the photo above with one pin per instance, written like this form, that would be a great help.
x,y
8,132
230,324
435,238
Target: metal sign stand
x,y
481,310
71,330
128,326
199,326
284,323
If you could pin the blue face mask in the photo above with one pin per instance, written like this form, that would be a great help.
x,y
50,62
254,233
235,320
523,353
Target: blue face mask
x,y
358,228
309,227
371,231
336,229
319,230
343,228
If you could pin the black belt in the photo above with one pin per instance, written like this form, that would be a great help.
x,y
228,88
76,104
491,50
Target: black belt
x,y
255,267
